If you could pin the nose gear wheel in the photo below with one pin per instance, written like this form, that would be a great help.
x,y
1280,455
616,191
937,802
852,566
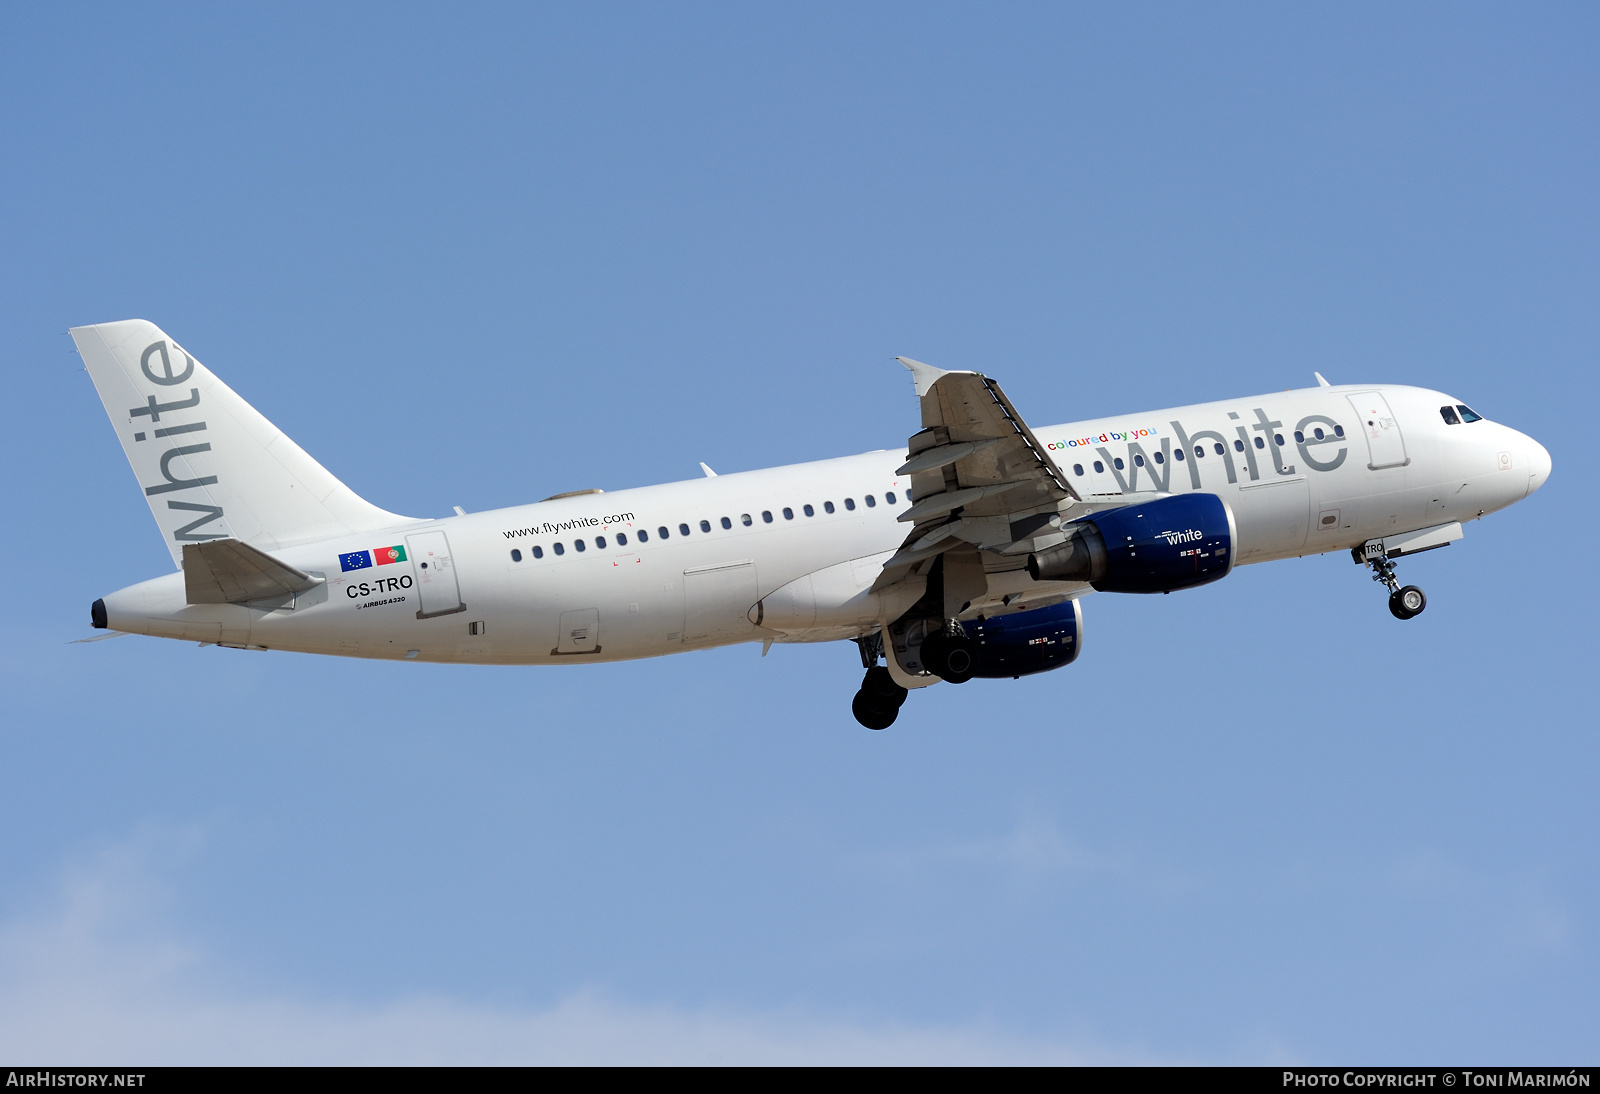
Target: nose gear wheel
x,y
1404,603
1407,602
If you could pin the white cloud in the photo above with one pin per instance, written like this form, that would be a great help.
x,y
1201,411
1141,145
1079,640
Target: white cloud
x,y
100,977
1034,850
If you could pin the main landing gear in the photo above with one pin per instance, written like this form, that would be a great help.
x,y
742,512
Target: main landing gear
x,y
1404,603
878,703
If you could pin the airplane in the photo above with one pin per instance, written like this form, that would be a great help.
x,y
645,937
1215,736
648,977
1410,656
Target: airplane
x,y
966,553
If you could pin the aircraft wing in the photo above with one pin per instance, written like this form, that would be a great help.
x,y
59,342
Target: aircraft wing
x,y
979,479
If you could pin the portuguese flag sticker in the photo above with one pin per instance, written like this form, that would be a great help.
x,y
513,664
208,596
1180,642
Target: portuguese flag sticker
x,y
385,555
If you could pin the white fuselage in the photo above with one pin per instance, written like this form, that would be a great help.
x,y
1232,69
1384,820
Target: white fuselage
x,y
487,598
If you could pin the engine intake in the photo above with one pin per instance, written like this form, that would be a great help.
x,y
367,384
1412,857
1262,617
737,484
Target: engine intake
x,y
1172,543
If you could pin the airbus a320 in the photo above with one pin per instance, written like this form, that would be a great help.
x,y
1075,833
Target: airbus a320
x,y
966,553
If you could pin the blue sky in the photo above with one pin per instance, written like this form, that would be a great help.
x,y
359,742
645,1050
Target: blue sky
x,y
479,257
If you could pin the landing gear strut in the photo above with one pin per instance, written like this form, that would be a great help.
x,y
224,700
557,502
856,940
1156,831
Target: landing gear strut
x,y
878,702
1404,603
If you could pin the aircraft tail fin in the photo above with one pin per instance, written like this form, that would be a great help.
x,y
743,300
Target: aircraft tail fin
x,y
209,464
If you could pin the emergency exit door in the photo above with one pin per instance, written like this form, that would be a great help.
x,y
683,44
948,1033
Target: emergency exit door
x,y
435,574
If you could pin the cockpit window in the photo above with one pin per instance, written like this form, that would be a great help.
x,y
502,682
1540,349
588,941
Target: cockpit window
x,y
1467,414
1448,413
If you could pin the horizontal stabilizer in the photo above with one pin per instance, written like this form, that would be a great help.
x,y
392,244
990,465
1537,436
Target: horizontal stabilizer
x,y
226,571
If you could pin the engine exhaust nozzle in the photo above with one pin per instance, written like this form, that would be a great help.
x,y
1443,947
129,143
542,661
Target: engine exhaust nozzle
x,y
1081,558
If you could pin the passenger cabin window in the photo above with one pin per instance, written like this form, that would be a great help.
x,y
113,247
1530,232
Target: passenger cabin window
x,y
1099,468
1160,458
1220,450
1338,431
1238,446
705,526
766,516
579,544
1138,460
538,552
810,512
872,502
644,537
516,555
888,496
744,519
1279,438
683,529
1317,433
1260,443
1077,469
560,550
850,504
600,542
622,539
788,514
1200,451
1178,455
827,506
662,532
1299,437
726,523
1117,462
1467,414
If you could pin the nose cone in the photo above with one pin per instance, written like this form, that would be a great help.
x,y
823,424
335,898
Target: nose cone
x,y
1538,465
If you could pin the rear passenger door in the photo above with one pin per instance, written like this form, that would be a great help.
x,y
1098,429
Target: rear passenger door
x,y
435,572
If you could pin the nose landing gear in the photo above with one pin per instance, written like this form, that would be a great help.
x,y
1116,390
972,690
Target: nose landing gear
x,y
1404,603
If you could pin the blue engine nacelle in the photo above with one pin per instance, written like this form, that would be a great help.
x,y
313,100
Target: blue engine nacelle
x,y
1172,543
1026,642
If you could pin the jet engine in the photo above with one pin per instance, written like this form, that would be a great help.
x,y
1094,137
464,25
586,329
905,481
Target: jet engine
x,y
1026,642
1155,547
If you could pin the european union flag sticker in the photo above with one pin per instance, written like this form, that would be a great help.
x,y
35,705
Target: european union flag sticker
x,y
355,560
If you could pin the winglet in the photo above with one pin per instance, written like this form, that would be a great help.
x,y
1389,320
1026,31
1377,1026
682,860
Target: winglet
x,y
922,375
710,474
1320,381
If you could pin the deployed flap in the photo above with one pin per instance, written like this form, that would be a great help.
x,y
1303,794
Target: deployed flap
x,y
225,571
210,466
